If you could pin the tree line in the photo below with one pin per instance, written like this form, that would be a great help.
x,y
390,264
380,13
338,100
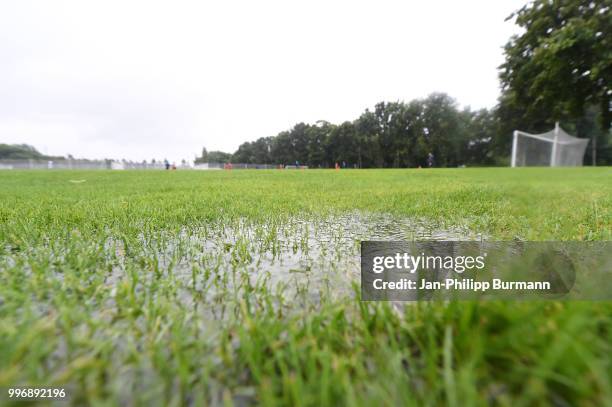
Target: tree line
x,y
558,69
23,152
394,134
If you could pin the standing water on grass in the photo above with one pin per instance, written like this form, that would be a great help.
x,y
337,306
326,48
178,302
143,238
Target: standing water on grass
x,y
211,268
301,259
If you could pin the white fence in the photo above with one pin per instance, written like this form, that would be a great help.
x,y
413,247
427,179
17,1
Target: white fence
x,y
128,165
75,165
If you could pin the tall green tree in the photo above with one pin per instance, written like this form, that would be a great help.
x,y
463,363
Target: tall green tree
x,y
444,130
342,145
367,131
318,135
559,67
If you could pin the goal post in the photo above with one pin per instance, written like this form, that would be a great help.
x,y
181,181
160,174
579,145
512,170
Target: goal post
x,y
553,156
554,148
514,142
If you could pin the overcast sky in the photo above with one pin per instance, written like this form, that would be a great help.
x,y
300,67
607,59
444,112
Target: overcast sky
x,y
143,80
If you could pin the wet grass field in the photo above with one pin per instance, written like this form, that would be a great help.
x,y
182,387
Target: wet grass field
x,y
242,287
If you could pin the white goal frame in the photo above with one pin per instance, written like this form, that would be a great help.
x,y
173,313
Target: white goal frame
x,y
559,139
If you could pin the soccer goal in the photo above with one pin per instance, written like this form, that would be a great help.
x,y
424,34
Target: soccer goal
x,y
554,148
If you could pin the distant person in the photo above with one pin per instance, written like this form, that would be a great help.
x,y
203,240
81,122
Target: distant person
x,y
173,166
167,164
430,160
343,164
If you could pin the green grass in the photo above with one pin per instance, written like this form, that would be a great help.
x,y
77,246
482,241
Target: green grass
x,y
106,287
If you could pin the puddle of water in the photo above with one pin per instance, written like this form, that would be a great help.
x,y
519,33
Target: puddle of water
x,y
302,259
299,262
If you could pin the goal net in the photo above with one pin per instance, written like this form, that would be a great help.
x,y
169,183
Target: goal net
x,y
553,148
